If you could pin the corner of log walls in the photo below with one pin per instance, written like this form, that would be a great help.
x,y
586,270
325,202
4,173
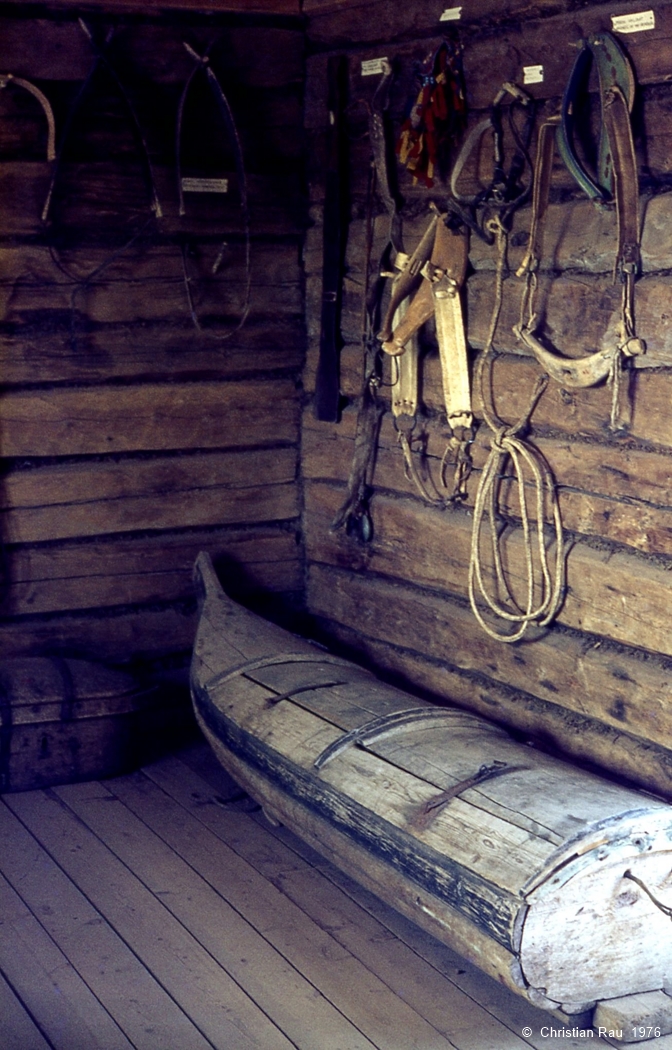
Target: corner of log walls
x,y
130,440
597,684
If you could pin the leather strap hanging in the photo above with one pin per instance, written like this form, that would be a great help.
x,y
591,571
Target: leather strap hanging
x,y
618,175
354,514
203,65
102,61
441,278
327,391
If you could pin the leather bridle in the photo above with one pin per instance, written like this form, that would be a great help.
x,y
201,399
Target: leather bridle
x,y
616,182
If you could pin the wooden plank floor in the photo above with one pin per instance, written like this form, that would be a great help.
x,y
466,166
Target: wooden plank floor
x,y
161,911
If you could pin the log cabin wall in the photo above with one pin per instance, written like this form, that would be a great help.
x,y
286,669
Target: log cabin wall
x,y
596,685
130,437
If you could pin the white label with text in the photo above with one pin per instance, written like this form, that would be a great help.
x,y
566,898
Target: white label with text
x,y
533,74
371,66
633,23
205,185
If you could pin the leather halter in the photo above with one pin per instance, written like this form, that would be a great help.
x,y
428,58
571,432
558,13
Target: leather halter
x,y
613,70
202,64
101,60
617,181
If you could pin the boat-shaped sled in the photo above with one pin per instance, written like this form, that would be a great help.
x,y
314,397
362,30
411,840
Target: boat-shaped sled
x,y
556,882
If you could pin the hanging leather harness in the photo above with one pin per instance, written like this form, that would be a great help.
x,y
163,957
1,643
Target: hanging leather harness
x,y
354,514
616,181
441,258
202,64
436,272
102,61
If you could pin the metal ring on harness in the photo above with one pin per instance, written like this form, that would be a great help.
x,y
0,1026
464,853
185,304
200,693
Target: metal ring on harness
x,y
504,194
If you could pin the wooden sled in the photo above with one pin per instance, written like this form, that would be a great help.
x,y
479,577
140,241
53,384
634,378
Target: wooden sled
x,y
552,880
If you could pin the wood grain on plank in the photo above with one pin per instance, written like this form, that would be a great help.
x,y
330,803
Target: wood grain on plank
x,y
498,45
201,988
145,287
277,207
372,872
619,493
589,700
616,595
176,864
19,1031
148,417
137,1002
57,997
267,851
89,498
68,577
151,630
259,55
582,412
105,352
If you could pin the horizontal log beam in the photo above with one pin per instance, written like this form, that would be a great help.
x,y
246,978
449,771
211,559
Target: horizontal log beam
x,y
425,644
93,498
258,55
615,492
147,352
614,595
148,417
276,205
75,576
497,45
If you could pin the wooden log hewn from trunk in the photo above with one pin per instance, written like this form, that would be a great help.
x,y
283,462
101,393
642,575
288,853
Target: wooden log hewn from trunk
x,y
576,412
580,317
24,185
614,595
146,352
60,50
584,699
48,578
615,492
141,632
270,704
107,496
519,33
167,443
147,417
498,45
